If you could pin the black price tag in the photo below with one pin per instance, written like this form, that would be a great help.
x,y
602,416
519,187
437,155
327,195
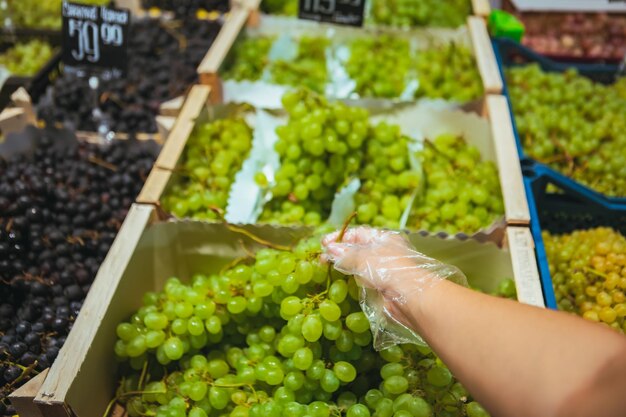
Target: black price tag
x,y
95,37
342,12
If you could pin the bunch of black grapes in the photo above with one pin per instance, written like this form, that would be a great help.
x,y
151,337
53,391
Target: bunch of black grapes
x,y
163,57
60,209
187,7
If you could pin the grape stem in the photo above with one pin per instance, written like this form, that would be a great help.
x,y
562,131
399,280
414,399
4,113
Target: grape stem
x,y
258,239
595,272
344,228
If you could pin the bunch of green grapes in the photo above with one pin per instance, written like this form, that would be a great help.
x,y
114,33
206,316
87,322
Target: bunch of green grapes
x,y
25,59
277,334
462,192
388,180
572,124
379,65
410,13
41,14
250,57
449,72
307,69
320,148
213,155
589,275
282,7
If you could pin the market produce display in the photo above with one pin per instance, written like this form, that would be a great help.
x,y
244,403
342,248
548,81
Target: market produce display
x,y
213,156
588,274
320,148
25,59
384,65
277,334
462,192
572,124
389,182
40,14
60,210
187,7
596,36
163,58
410,13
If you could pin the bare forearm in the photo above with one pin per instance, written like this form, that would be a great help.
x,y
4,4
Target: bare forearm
x,y
517,359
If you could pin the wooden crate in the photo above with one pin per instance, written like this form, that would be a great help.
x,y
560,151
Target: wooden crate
x,y
243,17
481,8
495,108
147,251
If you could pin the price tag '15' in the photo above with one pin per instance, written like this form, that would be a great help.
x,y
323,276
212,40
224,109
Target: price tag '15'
x,y
342,12
95,37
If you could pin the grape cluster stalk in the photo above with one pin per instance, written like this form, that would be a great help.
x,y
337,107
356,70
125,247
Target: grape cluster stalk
x,y
59,213
588,269
572,124
276,333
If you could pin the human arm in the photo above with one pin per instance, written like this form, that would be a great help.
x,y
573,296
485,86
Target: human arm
x,y
515,359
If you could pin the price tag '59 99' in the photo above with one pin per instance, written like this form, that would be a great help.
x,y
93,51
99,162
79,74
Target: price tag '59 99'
x,y
95,36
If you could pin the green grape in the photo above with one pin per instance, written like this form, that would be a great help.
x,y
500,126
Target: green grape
x,y
572,124
281,7
379,65
25,59
463,193
213,155
408,13
311,130
283,359
307,69
449,72
588,275
249,59
41,15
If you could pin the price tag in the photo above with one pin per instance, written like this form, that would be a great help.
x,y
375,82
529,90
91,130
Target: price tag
x,y
95,37
342,12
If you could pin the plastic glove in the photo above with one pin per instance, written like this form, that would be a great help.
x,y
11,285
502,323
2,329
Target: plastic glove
x,y
390,273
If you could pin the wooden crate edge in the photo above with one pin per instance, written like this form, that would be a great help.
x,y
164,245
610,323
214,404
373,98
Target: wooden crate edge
x,y
485,56
54,389
509,167
481,8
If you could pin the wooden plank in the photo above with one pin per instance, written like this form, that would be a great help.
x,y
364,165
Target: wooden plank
x,y
510,170
134,6
154,186
481,8
223,43
165,124
524,260
485,56
54,395
23,397
177,139
172,107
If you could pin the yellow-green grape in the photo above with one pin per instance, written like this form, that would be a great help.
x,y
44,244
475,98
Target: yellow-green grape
x,y
320,148
281,7
448,72
462,192
214,154
410,13
574,125
41,14
274,335
589,275
25,59
249,59
379,65
387,179
307,69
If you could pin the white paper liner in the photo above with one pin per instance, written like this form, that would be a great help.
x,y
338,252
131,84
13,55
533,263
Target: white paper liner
x,y
246,198
343,203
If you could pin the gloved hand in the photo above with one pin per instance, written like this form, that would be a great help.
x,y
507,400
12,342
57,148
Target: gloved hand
x,y
390,273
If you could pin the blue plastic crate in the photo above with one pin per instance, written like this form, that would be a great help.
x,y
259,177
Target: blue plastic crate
x,y
571,208
509,54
